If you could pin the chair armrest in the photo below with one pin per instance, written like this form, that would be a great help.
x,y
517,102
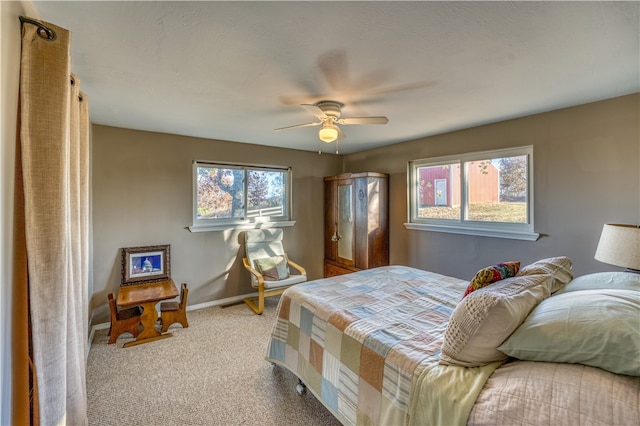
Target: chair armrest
x,y
296,266
252,270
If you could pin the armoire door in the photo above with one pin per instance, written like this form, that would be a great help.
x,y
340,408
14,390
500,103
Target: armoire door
x,y
345,226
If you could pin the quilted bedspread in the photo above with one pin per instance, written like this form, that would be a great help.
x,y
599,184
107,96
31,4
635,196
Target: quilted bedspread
x,y
367,345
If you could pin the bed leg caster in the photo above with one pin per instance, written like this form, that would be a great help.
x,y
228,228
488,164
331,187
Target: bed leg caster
x,y
301,388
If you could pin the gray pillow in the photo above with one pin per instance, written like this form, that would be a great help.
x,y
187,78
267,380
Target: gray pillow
x,y
600,328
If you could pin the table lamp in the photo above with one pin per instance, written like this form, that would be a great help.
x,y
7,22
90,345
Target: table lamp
x,y
620,245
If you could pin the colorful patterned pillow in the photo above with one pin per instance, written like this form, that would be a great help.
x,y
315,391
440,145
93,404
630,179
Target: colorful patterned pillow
x,y
491,274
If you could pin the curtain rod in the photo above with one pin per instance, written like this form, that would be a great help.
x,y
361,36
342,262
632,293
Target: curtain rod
x,y
50,34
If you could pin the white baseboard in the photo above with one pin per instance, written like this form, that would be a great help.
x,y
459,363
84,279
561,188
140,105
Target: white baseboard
x,y
225,301
92,333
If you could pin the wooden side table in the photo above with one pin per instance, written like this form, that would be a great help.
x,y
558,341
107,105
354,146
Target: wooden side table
x,y
147,295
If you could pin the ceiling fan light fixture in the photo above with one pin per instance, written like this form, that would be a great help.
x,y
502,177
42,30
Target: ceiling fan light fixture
x,y
328,133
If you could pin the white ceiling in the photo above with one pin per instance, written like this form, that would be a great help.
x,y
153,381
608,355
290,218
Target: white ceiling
x,y
237,70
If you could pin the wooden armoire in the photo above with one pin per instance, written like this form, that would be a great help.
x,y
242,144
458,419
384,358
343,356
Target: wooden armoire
x,y
356,222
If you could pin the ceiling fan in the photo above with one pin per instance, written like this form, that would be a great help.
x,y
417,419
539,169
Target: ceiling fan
x,y
329,116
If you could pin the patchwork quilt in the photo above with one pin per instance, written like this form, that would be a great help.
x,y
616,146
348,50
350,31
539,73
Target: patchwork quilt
x,y
367,345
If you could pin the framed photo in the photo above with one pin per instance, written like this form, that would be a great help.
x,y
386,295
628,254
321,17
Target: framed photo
x,y
145,264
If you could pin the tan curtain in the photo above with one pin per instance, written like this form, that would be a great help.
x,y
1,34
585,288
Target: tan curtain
x,y
54,142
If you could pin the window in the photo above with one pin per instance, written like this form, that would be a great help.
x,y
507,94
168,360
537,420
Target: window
x,y
483,193
231,196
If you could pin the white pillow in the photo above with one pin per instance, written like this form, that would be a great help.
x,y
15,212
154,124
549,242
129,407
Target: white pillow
x,y
486,317
601,280
600,328
560,268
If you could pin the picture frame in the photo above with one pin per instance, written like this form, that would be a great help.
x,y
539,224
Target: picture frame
x,y
145,264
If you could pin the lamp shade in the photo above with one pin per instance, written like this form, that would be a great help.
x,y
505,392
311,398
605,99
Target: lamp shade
x,y
328,133
620,245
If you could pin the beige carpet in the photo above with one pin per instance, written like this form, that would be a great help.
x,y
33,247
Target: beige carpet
x,y
211,373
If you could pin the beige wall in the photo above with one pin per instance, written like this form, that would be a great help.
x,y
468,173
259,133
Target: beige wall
x,y
587,173
142,195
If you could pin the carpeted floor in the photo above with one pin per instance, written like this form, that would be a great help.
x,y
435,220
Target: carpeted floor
x,y
211,373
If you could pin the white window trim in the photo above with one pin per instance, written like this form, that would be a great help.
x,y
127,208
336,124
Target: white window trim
x,y
241,226
484,229
207,225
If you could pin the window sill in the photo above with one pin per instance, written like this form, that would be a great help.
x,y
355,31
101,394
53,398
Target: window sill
x,y
240,226
513,235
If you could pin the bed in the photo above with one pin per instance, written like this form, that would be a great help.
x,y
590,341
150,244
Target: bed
x,y
397,345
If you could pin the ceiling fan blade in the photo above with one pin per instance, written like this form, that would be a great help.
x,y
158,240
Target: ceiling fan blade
x,y
340,134
313,109
298,125
399,88
363,120
334,66
310,98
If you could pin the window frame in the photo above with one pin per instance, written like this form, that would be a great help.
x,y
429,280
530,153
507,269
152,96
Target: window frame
x,y
220,224
510,230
